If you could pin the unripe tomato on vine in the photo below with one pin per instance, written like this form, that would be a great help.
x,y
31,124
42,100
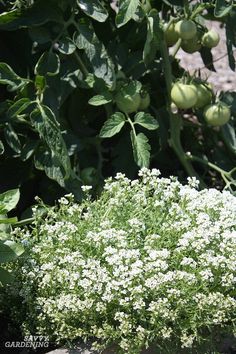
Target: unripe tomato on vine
x,y
210,39
184,95
128,97
170,34
204,94
191,45
217,114
186,29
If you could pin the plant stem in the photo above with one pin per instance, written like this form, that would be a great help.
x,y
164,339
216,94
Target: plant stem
x,y
108,109
177,47
24,222
186,9
131,123
81,64
209,164
175,119
170,23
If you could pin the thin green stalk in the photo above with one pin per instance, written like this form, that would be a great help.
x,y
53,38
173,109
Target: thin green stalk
x,y
81,64
186,9
131,124
24,222
210,164
226,176
177,47
108,109
79,60
170,23
175,119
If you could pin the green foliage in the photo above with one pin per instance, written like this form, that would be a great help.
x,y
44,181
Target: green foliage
x,y
113,125
9,200
9,250
80,70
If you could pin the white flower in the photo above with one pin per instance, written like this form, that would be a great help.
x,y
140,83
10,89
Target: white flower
x,y
86,188
149,260
187,340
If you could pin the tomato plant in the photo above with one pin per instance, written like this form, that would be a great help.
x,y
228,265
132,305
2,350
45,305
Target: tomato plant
x,y
73,102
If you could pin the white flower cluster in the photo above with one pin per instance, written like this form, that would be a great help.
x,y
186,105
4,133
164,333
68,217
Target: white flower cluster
x,y
153,261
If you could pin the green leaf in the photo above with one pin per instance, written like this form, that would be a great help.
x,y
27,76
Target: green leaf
x,y
18,107
1,147
46,161
16,247
94,9
222,8
5,277
28,149
8,220
153,37
40,83
9,77
98,84
230,99
10,250
41,35
113,125
146,121
39,13
231,39
141,149
12,138
207,58
9,200
48,128
101,99
66,46
5,228
96,57
229,137
127,10
48,64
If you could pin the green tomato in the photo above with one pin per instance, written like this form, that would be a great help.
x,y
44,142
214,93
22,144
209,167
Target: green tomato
x,y
217,114
170,34
204,95
184,96
128,97
210,39
145,101
191,45
186,29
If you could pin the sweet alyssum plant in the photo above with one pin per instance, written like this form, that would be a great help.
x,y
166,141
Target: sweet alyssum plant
x,y
151,261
